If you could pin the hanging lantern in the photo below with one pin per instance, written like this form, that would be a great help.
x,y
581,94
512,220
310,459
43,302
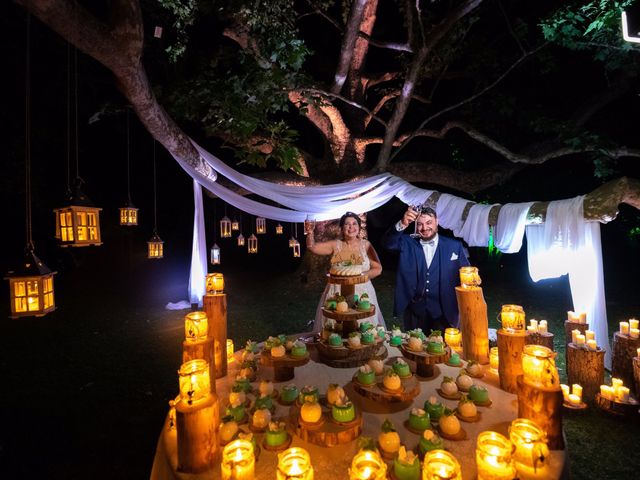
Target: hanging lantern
x,y
215,254
214,283
292,242
296,249
493,457
155,247
31,287
225,227
196,326
252,246
261,225
194,380
539,366
78,224
129,215
294,464
279,229
241,240
512,318
235,225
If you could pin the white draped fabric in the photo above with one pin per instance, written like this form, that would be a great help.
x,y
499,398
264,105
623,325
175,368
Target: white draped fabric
x,y
566,244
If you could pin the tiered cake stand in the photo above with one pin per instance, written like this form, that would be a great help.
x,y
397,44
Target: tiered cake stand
x,y
283,367
344,356
378,393
425,362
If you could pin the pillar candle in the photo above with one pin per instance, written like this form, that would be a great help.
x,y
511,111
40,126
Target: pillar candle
x,y
624,328
638,352
580,339
574,399
565,390
531,329
604,391
592,345
574,335
634,332
622,395
533,323
633,323
576,389
590,334
542,326
616,383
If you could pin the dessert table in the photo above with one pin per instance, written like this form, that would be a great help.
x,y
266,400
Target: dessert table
x,y
334,462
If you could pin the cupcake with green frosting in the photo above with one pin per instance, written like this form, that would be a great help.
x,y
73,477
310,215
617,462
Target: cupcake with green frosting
x,y
406,465
276,434
419,419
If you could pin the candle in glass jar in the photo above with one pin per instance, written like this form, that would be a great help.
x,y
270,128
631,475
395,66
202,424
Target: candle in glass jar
x,y
440,465
367,465
633,323
580,339
624,328
590,335
494,359
574,335
493,457
634,332
592,345
542,326
576,389
294,463
238,461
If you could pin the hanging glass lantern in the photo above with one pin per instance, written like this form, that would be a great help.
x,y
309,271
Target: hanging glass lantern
x,y
279,229
155,247
252,246
129,215
235,225
214,283
215,254
296,249
292,242
241,240
225,227
31,287
261,225
78,224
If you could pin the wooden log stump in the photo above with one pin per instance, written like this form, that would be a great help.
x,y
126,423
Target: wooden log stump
x,y
544,339
543,406
327,433
215,305
424,361
474,324
621,409
624,350
586,368
636,375
201,349
510,347
568,328
196,424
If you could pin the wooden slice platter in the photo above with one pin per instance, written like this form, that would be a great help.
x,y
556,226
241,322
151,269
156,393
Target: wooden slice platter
x,y
347,280
425,361
447,396
329,433
461,435
350,315
410,389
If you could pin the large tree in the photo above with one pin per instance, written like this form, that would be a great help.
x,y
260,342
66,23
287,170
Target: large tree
x,y
458,94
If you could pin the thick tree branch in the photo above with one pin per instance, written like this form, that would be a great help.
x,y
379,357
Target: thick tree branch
x,y
348,44
399,47
347,101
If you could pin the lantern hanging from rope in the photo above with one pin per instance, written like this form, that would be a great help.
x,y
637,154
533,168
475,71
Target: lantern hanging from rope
x,y
235,225
261,225
128,213
292,240
155,245
215,255
225,227
279,229
252,244
241,240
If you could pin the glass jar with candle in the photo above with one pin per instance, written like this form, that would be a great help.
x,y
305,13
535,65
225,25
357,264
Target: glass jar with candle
x,y
367,465
238,461
453,337
494,359
214,283
493,457
512,318
440,465
531,451
539,366
196,326
294,464
194,380
469,277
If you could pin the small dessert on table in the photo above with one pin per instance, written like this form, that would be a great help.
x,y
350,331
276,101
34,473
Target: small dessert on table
x,y
415,342
278,350
396,341
248,369
434,408
283,338
334,392
299,349
354,340
335,340
449,387
474,369
330,303
341,306
449,424
419,419
265,387
228,429
435,343
454,360
237,396
343,410
241,384
309,393
396,332
401,368
248,356
368,337
363,327
377,365
276,434
366,376
363,303
381,332
406,466
389,439
261,418
288,345
289,394
391,381
264,401
237,410
479,394
269,342
429,441
328,328
251,347
466,408
464,381
311,412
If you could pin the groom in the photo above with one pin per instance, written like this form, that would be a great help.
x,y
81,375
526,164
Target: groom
x,y
428,272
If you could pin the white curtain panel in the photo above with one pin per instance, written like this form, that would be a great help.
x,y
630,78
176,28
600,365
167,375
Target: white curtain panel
x,y
512,220
475,230
197,280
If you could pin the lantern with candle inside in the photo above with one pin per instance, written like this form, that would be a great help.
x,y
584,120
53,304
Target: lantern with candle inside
x,y
493,457
238,461
512,318
367,464
494,359
235,225
453,338
261,225
225,227
241,240
230,350
155,247
294,464
531,451
214,283
252,245
31,287
215,255
439,465
279,229
296,249
129,215
78,224
194,380
196,326
469,277
539,366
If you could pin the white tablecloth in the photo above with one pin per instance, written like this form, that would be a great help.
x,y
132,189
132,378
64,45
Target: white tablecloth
x,y
332,463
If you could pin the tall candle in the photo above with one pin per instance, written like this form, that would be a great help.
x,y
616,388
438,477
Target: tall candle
x,y
633,323
542,326
616,383
534,324
634,332
574,335
590,334
494,359
622,395
638,352
604,391
576,389
580,339
565,390
592,345
624,328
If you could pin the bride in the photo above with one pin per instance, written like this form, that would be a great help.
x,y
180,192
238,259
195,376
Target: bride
x,y
351,248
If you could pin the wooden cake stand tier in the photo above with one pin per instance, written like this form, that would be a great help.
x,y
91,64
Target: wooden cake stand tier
x,y
425,361
283,367
327,433
376,392
344,357
349,319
